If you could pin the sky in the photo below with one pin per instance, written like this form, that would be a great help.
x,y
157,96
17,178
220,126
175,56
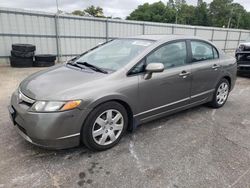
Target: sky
x,y
114,8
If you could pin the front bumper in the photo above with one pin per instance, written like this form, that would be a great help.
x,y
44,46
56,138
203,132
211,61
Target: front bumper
x,y
243,61
55,130
243,66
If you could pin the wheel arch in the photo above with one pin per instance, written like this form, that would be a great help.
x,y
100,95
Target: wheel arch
x,y
114,98
228,78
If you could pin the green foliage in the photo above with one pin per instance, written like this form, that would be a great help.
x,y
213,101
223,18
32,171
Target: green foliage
x,y
201,14
94,11
219,13
78,13
156,12
91,11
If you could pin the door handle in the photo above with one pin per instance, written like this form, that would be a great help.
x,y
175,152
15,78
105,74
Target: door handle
x,y
215,67
184,74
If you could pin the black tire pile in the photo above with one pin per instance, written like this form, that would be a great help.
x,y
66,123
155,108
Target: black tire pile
x,y
44,60
23,55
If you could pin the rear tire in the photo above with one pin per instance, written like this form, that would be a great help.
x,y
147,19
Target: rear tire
x,y
23,47
21,62
45,57
15,53
104,126
221,94
43,64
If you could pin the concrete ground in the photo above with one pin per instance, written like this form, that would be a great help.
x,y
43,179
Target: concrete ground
x,y
200,147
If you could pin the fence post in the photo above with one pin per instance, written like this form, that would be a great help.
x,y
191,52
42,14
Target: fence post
x,y
143,28
212,38
107,29
57,37
172,29
225,46
195,31
239,38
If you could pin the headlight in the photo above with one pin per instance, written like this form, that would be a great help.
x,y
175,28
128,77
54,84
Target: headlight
x,y
54,106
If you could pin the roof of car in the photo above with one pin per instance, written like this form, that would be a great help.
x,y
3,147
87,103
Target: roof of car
x,y
163,37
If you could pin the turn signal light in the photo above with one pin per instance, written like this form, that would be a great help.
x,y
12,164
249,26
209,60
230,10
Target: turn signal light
x,y
71,105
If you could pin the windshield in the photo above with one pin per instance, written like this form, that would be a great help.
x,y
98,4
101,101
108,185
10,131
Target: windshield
x,y
115,54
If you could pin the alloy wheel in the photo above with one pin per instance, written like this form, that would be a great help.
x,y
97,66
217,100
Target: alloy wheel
x,y
222,93
107,127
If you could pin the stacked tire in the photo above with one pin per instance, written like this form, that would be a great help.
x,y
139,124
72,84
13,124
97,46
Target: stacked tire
x,y
44,60
22,55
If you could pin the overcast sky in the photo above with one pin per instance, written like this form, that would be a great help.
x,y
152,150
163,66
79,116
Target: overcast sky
x,y
115,8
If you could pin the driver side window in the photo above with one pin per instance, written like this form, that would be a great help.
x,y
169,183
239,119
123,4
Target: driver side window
x,y
170,55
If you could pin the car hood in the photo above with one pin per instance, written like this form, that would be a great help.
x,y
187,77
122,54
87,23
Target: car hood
x,y
58,83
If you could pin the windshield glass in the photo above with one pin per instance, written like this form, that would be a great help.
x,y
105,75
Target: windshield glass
x,y
115,54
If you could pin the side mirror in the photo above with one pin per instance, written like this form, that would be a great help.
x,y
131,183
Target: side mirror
x,y
153,68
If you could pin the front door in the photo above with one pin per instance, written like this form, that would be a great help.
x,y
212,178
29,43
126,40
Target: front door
x,y
167,90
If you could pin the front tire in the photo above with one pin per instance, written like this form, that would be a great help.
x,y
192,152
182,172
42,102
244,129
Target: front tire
x,y
105,126
221,94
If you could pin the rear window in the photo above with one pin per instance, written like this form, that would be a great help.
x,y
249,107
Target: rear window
x,y
202,51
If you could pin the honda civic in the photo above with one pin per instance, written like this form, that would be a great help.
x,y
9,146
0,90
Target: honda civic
x,y
96,97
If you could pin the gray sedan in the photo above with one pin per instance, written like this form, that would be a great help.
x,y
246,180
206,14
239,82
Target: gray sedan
x,y
94,98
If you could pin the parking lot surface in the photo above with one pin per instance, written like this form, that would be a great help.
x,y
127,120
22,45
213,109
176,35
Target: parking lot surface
x,y
200,147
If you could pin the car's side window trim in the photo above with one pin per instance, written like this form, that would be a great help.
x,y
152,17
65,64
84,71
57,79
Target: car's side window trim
x,y
215,49
158,47
143,61
202,41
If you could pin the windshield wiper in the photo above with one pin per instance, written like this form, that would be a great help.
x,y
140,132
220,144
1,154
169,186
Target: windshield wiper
x,y
75,65
93,67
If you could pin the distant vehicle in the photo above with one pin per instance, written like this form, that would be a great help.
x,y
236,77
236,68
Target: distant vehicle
x,y
242,55
94,98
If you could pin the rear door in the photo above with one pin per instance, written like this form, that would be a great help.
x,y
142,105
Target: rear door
x,y
205,69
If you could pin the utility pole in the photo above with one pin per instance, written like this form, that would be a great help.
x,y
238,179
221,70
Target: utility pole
x,y
238,21
57,7
230,18
58,44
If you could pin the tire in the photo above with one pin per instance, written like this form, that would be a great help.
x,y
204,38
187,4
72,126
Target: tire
x,y
43,64
21,62
15,53
217,101
23,47
45,57
95,142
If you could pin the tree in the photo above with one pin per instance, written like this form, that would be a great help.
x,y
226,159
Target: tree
x,y
220,12
245,19
94,11
237,12
185,14
201,14
78,13
156,12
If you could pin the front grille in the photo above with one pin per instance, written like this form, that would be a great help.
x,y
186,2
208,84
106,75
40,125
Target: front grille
x,y
23,99
26,103
244,58
244,68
